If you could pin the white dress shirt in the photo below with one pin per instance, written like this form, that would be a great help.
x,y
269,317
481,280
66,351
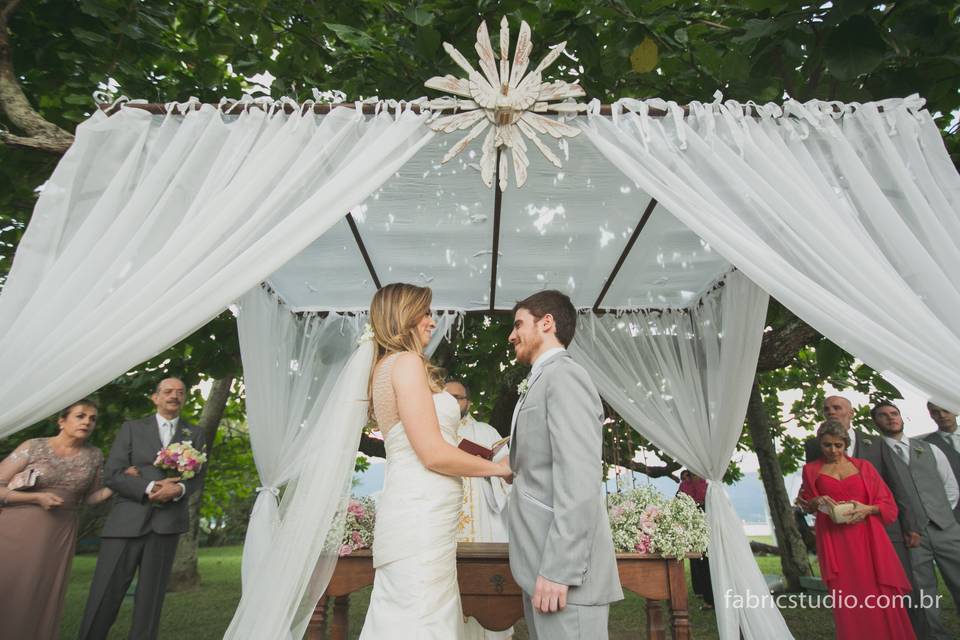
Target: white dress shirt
x,y
167,428
902,449
852,433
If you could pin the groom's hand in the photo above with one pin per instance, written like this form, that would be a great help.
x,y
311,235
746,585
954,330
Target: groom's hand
x,y
549,597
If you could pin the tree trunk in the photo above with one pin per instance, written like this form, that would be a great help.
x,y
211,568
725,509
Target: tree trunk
x,y
793,552
185,574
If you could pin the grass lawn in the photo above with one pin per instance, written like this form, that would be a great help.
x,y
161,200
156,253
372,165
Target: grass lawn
x,y
204,614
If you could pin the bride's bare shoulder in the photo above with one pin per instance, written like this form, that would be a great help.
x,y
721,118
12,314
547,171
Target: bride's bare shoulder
x,y
408,367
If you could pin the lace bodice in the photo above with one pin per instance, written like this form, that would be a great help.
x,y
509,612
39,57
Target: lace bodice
x,y
384,398
71,477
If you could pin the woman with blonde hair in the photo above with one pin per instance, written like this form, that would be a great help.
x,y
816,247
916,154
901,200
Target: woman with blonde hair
x,y
415,592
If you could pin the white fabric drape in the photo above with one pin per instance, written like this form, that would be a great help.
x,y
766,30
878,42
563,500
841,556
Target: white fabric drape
x,y
290,364
298,381
152,225
682,378
849,216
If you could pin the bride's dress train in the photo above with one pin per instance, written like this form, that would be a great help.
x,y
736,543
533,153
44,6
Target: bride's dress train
x,y
415,591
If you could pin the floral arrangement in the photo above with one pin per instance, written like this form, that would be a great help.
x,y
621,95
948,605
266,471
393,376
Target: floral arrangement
x,y
643,521
180,459
358,526
366,335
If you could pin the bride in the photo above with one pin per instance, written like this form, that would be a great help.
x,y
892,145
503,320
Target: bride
x,y
415,591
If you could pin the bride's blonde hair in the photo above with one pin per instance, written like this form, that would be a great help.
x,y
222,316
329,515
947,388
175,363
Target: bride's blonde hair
x,y
395,311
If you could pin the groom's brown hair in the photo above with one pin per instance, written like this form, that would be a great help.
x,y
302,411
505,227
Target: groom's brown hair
x,y
558,305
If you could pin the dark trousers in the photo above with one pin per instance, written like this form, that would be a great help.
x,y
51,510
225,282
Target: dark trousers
x,y
117,562
700,579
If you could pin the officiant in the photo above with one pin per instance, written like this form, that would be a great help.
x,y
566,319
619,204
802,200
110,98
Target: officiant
x,y
481,519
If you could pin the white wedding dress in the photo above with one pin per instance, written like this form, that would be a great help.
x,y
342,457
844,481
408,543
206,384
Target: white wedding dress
x,y
415,591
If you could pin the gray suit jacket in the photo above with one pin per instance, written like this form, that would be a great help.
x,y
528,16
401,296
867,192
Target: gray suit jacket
x,y
556,516
873,449
132,514
937,439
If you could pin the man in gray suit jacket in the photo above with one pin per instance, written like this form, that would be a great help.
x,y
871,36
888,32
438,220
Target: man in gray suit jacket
x,y
561,550
931,494
947,438
146,520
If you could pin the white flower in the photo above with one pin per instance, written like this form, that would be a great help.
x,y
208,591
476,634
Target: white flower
x,y
523,386
367,334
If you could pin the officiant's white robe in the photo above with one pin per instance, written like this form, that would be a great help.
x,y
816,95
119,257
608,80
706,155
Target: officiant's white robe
x,y
481,519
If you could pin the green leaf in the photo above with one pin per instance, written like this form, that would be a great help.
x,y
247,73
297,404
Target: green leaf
x,y
418,16
89,37
79,99
428,42
350,35
644,57
854,48
828,358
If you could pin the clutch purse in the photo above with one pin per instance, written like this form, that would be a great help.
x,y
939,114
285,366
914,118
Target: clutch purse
x,y
841,512
26,479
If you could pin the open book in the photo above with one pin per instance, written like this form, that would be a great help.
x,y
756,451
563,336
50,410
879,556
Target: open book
x,y
475,449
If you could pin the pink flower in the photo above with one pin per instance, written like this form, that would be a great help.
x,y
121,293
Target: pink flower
x,y
357,540
356,509
345,550
644,545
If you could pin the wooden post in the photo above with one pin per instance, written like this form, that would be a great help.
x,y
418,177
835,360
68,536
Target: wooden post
x,y
317,627
678,601
655,626
341,618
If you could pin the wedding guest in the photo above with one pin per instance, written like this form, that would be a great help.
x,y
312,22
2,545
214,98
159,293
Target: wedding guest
x,y
481,517
840,409
932,494
38,523
947,438
144,525
856,559
696,487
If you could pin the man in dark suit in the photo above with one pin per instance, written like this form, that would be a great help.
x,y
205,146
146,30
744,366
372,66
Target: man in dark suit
x,y
947,439
146,521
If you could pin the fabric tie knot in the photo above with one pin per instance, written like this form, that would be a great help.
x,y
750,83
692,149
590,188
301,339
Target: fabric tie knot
x,y
275,491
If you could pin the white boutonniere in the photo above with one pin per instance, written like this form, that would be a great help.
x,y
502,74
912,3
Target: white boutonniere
x,y
523,386
918,450
367,334
868,442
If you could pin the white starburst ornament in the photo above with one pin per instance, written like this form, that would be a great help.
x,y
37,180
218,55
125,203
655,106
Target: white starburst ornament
x,y
506,102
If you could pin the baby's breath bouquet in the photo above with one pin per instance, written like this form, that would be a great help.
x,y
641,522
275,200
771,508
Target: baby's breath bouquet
x,y
357,526
643,521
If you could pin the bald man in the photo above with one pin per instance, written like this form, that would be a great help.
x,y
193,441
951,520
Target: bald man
x,y
840,409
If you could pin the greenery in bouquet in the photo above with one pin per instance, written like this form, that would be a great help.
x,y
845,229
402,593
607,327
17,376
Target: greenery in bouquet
x,y
180,459
358,520
643,521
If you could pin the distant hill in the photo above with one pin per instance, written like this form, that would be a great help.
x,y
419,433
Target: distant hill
x,y
747,495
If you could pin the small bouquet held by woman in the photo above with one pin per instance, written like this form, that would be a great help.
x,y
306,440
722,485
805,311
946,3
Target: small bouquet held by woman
x,y
180,459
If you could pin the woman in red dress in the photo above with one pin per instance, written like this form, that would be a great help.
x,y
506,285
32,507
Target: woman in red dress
x,y
857,560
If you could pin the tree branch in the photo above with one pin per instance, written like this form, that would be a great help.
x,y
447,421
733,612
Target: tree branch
x,y
42,134
781,345
666,469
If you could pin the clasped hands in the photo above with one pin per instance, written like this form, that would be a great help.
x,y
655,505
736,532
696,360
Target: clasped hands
x,y
859,513
162,491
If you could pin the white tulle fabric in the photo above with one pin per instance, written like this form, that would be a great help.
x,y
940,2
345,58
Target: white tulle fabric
x,y
415,592
682,378
301,397
152,225
849,215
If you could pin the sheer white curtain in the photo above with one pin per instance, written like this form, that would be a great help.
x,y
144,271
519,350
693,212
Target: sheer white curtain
x,y
848,215
152,225
290,364
682,378
300,373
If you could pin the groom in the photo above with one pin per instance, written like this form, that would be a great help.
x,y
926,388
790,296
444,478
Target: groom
x,y
561,551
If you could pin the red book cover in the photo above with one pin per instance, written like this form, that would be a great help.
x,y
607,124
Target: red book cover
x,y
475,449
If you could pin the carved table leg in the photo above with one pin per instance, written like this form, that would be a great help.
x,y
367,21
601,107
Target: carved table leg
x,y
655,627
317,627
678,602
341,610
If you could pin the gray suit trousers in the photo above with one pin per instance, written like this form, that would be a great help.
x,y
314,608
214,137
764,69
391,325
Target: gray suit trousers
x,y
943,547
574,622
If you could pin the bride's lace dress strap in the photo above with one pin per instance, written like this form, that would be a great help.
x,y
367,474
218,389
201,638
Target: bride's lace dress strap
x,y
384,398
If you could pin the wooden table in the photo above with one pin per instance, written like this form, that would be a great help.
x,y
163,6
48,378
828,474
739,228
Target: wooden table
x,y
490,595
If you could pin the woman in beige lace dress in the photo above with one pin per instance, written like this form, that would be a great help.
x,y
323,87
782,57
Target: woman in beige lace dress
x,y
38,525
